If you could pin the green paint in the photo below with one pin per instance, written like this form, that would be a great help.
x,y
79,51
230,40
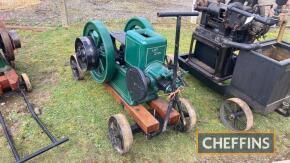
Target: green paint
x,y
138,22
144,49
3,63
101,36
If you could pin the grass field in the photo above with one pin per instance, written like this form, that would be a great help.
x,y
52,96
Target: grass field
x,y
80,110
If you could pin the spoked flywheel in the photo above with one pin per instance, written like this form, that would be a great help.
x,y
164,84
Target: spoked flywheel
x,y
236,115
104,66
120,133
138,23
189,116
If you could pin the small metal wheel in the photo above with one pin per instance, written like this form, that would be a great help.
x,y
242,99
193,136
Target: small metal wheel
x,y
26,82
189,114
120,133
102,40
138,23
236,115
78,74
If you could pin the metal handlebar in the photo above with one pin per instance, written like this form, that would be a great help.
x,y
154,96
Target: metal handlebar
x,y
176,14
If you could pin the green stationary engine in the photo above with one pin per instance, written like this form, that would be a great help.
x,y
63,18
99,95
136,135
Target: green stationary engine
x,y
131,61
132,65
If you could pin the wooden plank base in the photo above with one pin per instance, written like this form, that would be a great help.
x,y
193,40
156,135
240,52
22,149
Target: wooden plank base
x,y
161,107
140,114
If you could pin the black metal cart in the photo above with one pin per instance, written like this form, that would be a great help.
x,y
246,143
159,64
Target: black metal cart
x,y
227,59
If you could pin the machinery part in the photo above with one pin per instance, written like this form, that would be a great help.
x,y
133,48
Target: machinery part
x,y
265,20
190,115
120,133
242,46
177,14
138,23
86,53
105,69
7,46
284,110
78,73
26,82
15,39
235,114
137,84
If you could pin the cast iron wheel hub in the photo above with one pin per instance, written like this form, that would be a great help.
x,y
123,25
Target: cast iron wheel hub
x,y
86,53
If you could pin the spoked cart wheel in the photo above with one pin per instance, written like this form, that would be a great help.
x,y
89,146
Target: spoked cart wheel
x,y
26,82
138,23
78,74
120,133
189,114
236,115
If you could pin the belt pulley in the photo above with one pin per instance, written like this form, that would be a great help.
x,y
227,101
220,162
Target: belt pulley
x,y
9,41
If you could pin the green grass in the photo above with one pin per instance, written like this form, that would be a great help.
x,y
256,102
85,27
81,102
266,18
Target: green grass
x,y
80,109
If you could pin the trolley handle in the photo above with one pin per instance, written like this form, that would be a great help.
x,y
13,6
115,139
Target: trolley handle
x,y
177,14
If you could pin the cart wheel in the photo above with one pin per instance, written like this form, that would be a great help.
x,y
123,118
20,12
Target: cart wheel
x,y
120,133
76,70
236,115
190,115
138,23
26,82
